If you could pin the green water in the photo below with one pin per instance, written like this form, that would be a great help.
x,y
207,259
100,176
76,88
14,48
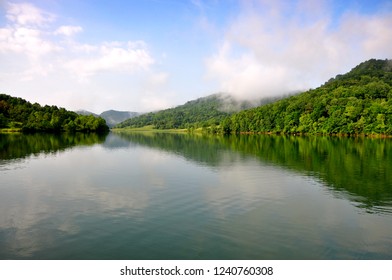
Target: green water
x,y
173,196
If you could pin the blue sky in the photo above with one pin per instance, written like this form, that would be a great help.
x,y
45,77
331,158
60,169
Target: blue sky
x,y
144,55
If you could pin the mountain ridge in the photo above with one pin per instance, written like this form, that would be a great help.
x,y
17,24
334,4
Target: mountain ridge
x,y
112,117
200,112
358,102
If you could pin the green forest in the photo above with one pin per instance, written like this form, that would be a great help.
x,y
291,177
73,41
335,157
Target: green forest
x,y
17,113
359,102
197,113
203,112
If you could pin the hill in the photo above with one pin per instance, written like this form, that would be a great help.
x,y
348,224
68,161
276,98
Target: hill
x,y
202,112
86,113
358,102
17,113
113,117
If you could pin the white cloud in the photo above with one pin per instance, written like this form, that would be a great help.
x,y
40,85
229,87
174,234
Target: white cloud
x,y
158,79
274,47
369,34
68,30
26,41
27,34
111,58
243,76
25,31
149,99
28,14
151,102
42,58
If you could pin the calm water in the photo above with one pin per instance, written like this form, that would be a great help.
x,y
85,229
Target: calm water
x,y
167,196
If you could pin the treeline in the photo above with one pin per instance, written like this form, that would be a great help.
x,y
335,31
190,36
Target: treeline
x,y
17,113
203,112
359,102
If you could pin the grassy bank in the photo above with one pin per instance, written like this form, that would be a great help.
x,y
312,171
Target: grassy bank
x,y
150,128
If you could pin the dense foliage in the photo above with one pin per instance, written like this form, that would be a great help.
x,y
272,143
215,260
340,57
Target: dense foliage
x,y
19,113
359,102
202,112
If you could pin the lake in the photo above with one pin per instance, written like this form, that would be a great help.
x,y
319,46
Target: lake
x,y
178,196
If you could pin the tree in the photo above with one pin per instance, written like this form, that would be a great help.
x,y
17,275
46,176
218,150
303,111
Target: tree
x,y
17,112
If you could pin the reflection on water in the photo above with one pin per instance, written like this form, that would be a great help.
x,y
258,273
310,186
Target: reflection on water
x,y
167,196
361,167
17,145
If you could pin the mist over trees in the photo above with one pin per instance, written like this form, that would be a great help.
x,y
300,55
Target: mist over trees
x,y
359,102
204,111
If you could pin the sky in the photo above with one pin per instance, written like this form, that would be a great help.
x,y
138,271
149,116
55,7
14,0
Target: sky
x,y
146,55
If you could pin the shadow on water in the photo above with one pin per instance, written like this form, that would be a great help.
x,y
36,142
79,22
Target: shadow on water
x,y
358,168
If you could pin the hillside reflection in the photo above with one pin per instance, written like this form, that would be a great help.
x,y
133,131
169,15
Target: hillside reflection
x,y
358,168
18,145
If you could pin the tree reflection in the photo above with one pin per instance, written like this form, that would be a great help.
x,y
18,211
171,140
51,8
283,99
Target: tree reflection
x,y
360,167
17,145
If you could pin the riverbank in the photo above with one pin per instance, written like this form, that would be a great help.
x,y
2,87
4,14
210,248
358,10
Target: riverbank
x,y
208,130
320,134
150,128
10,130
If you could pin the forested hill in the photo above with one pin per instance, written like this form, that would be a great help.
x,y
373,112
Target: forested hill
x,y
358,102
113,117
17,113
205,111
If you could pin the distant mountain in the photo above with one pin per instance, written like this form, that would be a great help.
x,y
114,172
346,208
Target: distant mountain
x,y
85,113
113,117
204,111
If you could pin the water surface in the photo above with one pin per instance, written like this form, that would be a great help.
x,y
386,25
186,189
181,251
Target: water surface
x,y
170,196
